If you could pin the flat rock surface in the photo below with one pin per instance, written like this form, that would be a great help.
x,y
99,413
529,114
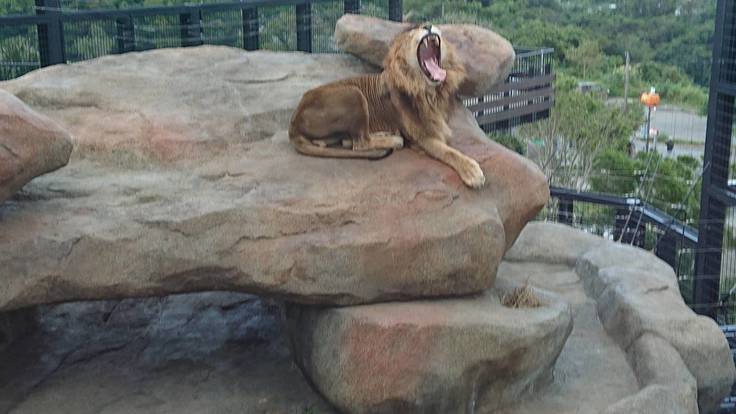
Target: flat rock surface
x,y
175,189
591,373
30,145
487,57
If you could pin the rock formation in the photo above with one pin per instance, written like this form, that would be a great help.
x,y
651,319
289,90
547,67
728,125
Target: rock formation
x,y
30,145
441,356
173,191
677,356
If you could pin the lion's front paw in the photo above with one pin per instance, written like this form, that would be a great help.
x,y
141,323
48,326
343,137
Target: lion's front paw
x,y
472,175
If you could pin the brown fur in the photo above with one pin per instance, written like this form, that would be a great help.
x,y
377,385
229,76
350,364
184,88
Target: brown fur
x,y
376,111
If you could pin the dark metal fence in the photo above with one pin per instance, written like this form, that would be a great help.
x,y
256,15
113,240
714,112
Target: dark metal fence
x,y
527,95
633,221
59,35
718,199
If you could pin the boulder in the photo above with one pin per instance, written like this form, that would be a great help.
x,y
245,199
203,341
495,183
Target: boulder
x,y
651,399
637,294
656,362
541,243
175,189
488,57
443,356
671,349
30,145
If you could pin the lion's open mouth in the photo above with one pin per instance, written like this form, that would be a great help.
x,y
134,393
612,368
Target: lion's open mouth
x,y
429,55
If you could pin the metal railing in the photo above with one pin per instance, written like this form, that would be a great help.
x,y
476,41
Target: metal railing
x,y
527,96
634,221
56,35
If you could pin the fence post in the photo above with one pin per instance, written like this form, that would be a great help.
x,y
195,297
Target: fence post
x,y
395,10
251,27
565,211
191,28
719,129
352,6
125,34
304,27
666,249
50,34
620,228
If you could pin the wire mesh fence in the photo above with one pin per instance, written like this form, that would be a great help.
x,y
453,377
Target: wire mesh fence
x,y
18,50
89,39
86,32
632,221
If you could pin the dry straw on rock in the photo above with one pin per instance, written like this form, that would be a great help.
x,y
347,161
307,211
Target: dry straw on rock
x,y
522,297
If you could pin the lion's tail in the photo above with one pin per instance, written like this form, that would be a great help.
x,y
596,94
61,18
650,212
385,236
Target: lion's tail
x,y
306,147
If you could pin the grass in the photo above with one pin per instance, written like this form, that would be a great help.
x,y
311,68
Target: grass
x,y
522,297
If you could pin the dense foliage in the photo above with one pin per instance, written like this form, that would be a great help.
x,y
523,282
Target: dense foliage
x,y
669,41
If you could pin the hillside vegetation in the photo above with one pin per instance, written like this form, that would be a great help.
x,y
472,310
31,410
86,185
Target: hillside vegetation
x,y
669,41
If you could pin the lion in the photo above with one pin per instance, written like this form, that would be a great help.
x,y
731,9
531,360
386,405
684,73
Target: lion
x,y
372,115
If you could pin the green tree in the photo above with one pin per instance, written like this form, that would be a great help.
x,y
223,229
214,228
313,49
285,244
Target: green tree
x,y
579,129
586,57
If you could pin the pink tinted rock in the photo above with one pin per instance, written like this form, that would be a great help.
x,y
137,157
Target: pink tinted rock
x,y
30,145
171,191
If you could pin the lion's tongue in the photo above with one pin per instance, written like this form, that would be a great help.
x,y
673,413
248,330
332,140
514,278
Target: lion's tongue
x,y
438,74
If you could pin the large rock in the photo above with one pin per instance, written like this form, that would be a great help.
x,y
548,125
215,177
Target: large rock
x,y
176,189
30,145
637,294
444,356
677,356
488,57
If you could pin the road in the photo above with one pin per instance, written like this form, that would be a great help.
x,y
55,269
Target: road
x,y
685,126
678,123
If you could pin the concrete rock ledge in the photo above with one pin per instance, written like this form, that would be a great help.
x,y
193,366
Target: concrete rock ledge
x,y
172,191
30,145
680,359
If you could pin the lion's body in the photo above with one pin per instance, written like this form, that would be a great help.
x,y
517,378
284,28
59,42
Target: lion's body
x,y
375,113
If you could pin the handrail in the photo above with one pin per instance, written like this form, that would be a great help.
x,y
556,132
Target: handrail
x,y
649,213
530,51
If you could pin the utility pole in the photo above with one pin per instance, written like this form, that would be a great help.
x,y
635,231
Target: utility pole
x,y
626,83
650,100
649,126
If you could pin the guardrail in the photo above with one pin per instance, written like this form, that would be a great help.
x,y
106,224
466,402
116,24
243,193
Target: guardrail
x,y
55,35
63,36
632,221
527,96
